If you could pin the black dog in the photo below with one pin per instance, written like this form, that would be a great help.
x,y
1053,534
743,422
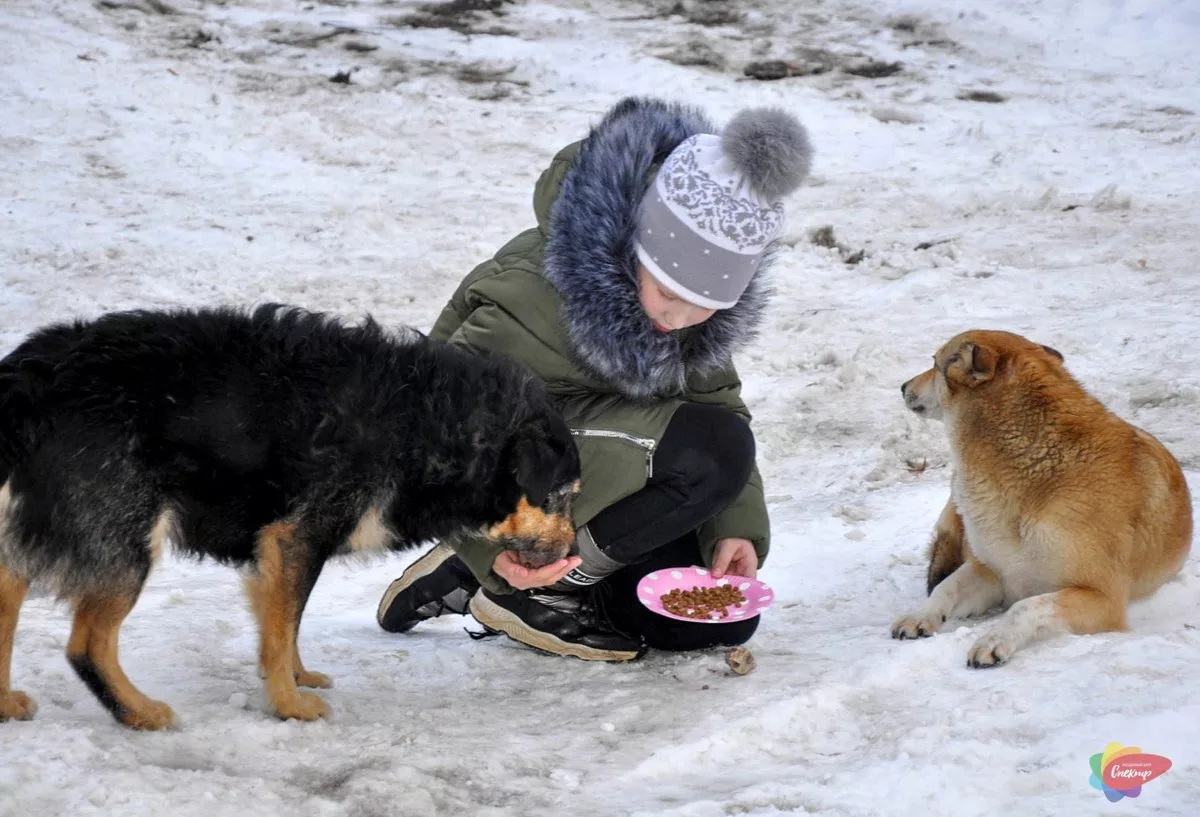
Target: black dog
x,y
274,439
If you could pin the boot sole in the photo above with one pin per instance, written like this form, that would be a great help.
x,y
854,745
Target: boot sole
x,y
419,569
495,617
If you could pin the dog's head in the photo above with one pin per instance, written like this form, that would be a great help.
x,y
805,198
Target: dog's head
x,y
540,472
967,364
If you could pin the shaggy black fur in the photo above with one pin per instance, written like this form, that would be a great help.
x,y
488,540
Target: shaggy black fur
x,y
230,421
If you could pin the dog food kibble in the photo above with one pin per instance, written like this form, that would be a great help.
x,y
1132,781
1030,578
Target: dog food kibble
x,y
740,660
703,602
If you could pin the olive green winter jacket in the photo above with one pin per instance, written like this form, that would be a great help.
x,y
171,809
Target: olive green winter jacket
x,y
562,299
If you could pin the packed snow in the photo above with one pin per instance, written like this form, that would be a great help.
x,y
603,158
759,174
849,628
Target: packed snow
x,y
1031,166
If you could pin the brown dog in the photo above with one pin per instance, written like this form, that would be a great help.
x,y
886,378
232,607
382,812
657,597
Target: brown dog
x,y
1059,510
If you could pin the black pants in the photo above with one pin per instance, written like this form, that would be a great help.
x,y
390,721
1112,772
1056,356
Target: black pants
x,y
701,465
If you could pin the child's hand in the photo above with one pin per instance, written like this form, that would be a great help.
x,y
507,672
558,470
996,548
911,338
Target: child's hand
x,y
735,556
521,577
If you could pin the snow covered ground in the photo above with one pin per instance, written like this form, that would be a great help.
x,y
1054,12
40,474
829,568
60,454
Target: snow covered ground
x,y
204,156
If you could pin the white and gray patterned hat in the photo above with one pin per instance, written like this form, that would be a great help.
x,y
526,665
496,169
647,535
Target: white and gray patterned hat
x,y
714,207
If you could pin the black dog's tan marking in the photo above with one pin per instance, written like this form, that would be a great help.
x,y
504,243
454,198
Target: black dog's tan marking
x,y
304,678
14,705
162,530
92,652
274,441
280,592
531,524
371,534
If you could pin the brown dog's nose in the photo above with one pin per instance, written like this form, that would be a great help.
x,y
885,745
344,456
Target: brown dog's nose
x,y
904,388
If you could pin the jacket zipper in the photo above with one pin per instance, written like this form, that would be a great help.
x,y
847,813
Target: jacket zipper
x,y
644,442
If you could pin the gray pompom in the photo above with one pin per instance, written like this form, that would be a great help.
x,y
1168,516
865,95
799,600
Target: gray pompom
x,y
770,148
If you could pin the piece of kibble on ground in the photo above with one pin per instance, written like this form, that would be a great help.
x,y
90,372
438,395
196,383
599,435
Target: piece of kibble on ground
x,y
740,660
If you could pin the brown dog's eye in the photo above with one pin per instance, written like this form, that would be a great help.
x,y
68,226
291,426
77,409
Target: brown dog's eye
x,y
954,358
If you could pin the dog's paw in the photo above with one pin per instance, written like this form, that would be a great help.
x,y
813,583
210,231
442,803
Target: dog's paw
x,y
152,716
991,650
305,678
916,625
315,680
303,706
16,706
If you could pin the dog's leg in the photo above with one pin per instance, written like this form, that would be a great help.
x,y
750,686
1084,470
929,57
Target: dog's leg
x,y
285,579
969,591
946,550
14,705
304,678
307,678
1079,610
92,651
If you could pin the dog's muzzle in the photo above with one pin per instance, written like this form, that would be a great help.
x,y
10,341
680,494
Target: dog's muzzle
x,y
922,404
910,399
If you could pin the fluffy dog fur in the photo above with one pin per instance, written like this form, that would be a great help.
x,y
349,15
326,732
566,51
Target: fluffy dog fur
x,y
271,440
1059,510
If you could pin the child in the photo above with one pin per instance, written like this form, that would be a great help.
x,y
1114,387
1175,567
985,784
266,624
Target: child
x,y
643,277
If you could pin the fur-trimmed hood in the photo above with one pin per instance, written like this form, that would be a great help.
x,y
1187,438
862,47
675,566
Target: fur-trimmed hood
x,y
589,258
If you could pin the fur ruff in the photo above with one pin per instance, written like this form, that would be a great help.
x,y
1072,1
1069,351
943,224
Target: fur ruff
x,y
590,260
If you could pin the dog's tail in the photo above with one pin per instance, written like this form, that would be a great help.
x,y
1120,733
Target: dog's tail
x,y
25,375
947,551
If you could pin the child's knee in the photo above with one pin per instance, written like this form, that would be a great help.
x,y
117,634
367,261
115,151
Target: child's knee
x,y
725,441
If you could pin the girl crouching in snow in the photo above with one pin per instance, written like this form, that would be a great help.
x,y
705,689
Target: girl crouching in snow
x,y
645,274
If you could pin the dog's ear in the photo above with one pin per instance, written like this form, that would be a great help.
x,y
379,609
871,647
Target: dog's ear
x,y
1052,352
535,464
983,364
971,365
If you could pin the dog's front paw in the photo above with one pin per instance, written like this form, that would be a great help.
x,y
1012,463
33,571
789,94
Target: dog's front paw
x,y
917,625
991,650
16,706
305,678
308,678
150,716
303,706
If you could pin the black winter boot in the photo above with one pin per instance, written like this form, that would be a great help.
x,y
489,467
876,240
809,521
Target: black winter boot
x,y
436,584
555,622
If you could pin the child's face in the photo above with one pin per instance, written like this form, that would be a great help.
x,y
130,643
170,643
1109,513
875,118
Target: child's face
x,y
665,308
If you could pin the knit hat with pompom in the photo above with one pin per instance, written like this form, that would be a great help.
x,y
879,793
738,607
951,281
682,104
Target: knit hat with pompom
x,y
715,206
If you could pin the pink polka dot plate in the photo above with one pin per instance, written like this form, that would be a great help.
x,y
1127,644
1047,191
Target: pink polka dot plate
x,y
654,586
